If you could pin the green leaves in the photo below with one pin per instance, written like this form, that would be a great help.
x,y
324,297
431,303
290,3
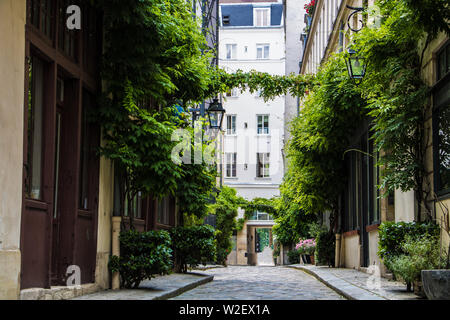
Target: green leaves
x,y
226,211
320,134
142,256
193,245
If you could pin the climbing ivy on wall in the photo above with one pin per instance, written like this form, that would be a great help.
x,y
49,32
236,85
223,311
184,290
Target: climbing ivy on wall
x,y
398,98
320,135
154,56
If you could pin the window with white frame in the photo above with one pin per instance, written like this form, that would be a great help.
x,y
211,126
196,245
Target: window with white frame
x,y
262,51
232,93
230,164
263,167
261,17
231,124
231,50
260,216
263,124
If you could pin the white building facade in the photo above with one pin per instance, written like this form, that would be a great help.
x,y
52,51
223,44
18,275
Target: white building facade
x,y
252,37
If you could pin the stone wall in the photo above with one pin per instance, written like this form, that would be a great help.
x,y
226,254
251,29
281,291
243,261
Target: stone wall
x,y
12,72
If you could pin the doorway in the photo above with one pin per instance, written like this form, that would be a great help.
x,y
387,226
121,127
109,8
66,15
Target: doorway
x,y
264,247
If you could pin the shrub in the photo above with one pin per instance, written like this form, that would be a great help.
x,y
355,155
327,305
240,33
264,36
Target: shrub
x,y
193,246
325,248
294,257
393,234
421,253
142,255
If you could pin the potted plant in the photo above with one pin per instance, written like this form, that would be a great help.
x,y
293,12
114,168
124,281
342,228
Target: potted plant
x,y
436,283
307,248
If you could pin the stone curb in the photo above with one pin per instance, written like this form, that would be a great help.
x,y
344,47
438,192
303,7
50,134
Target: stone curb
x,y
177,292
341,286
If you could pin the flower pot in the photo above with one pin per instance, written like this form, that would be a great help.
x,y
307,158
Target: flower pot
x,y
436,284
312,259
307,259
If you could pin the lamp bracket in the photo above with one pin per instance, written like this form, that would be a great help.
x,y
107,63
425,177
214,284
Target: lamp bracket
x,y
355,11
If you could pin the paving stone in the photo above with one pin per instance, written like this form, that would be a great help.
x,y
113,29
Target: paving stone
x,y
260,283
358,285
161,287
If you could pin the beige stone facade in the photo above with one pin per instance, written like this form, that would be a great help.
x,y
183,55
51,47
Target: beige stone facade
x,y
329,33
12,84
244,252
12,69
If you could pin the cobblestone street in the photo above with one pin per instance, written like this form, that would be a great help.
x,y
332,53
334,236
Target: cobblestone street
x,y
260,283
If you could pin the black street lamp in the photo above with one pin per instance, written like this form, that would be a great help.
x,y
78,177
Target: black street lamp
x,y
215,114
356,66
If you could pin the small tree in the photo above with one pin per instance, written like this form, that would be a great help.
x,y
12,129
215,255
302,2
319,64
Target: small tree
x,y
192,246
226,211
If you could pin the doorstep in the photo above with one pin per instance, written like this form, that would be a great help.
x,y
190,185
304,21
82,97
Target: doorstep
x,y
58,293
158,288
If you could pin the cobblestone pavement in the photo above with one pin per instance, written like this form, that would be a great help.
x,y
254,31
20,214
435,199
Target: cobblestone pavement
x,y
388,289
260,283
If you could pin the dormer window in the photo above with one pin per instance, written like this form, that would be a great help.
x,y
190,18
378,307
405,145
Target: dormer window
x,y
261,17
226,20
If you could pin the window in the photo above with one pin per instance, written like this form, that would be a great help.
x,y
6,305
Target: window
x,y
136,203
87,150
263,167
66,38
231,124
41,15
262,51
232,93
443,60
260,216
441,123
164,211
230,162
231,51
263,124
341,37
35,132
262,17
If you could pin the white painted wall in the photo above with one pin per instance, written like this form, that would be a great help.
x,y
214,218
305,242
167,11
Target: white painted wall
x,y
246,143
404,206
294,25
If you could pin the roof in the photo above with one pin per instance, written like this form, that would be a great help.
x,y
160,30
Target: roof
x,y
241,15
245,1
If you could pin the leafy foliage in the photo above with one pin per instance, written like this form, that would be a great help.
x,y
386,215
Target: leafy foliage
x,y
226,211
320,135
193,245
325,249
420,253
293,256
393,234
142,256
291,222
154,55
270,86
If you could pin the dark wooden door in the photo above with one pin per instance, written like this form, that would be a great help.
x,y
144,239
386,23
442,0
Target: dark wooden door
x,y
39,124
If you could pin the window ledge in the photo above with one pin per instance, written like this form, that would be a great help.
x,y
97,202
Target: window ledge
x,y
350,233
372,227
